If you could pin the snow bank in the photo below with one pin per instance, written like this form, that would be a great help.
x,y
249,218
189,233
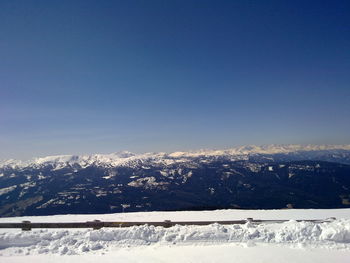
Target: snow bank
x,y
221,215
334,234
225,253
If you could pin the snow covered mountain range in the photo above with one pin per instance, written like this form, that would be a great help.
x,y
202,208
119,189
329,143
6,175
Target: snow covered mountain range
x,y
268,177
125,158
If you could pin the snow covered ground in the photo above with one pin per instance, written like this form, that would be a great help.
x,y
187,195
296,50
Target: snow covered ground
x,y
287,242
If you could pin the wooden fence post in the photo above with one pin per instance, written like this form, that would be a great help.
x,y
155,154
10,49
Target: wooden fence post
x,y
26,226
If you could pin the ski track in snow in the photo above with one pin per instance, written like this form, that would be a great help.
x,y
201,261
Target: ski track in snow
x,y
330,235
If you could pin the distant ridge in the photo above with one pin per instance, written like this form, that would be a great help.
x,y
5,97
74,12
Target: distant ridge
x,y
125,157
254,177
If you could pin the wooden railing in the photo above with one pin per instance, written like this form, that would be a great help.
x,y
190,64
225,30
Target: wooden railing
x,y
97,224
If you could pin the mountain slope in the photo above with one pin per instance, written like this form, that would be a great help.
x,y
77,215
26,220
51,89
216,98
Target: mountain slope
x,y
245,177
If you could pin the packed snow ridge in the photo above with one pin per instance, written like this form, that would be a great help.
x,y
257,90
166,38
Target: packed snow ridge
x,y
331,234
125,157
335,234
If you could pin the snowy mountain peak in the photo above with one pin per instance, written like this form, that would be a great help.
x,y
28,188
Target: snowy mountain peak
x,y
264,149
125,157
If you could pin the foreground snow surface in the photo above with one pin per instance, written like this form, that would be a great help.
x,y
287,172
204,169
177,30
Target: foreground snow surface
x,y
286,242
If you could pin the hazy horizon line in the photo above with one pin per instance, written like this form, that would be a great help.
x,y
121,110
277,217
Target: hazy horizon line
x,y
345,146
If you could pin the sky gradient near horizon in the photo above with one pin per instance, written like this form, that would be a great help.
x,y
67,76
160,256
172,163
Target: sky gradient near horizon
x,y
103,76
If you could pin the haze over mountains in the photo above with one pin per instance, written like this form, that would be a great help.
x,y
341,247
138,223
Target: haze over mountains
x,y
271,176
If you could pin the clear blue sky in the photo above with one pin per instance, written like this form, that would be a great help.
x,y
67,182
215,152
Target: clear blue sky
x,y
103,76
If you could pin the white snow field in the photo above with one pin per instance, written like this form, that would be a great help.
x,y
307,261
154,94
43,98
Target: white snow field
x,y
275,242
